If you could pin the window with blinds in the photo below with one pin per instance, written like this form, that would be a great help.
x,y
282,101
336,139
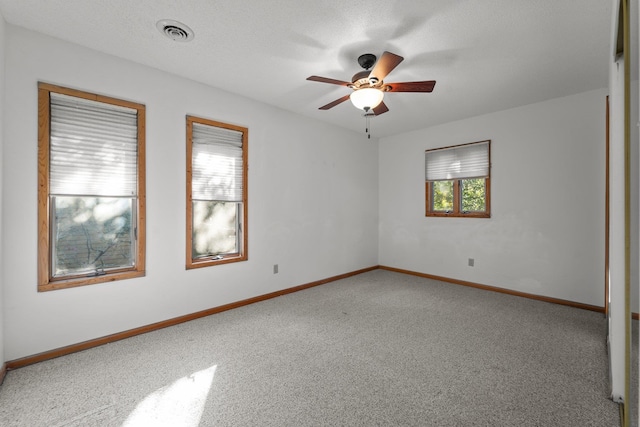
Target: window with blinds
x,y
91,151
93,148
216,192
457,180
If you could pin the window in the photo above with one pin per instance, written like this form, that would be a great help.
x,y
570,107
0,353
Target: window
x,y
457,180
216,193
90,188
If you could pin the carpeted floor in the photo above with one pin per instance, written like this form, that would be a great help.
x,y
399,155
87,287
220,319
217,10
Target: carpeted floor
x,y
377,349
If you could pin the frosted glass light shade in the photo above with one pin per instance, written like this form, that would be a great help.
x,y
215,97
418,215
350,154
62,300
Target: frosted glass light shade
x,y
367,97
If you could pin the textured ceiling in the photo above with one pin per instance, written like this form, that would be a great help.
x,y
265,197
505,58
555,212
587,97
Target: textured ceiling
x,y
485,55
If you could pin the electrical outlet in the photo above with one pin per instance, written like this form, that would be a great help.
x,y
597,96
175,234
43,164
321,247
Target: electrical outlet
x,y
471,262
275,268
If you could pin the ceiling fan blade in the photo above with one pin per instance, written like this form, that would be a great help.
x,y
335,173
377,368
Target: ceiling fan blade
x,y
387,62
426,86
334,103
327,80
381,108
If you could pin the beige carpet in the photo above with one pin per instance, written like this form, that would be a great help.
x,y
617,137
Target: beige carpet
x,y
377,349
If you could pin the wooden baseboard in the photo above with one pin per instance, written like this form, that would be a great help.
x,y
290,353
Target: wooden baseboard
x,y
496,289
3,372
29,360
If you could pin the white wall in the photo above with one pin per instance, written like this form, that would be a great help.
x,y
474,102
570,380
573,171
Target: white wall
x,y
312,200
546,231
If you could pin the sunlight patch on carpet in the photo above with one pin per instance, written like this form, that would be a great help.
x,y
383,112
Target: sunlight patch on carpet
x,y
178,404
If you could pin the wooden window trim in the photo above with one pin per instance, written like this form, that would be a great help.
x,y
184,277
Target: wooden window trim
x,y
45,280
192,263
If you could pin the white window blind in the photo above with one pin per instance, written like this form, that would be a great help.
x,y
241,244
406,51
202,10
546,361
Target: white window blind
x,y
93,148
460,162
216,163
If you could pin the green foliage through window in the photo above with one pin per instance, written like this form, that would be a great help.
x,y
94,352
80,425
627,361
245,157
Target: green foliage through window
x,y
458,198
442,196
473,194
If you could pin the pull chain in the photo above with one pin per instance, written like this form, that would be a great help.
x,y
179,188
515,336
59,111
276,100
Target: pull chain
x,y
368,126
367,115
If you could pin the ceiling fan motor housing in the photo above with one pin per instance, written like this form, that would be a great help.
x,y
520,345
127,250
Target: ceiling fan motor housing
x,y
360,77
364,78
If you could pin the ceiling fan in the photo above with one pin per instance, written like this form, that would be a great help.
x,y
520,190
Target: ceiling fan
x,y
369,86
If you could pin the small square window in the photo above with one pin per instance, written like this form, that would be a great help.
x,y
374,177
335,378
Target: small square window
x,y
457,180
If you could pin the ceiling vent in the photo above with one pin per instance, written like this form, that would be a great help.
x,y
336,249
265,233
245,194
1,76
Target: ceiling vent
x,y
175,30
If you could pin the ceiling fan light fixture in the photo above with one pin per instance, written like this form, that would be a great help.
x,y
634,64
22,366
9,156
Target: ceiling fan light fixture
x,y
366,98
